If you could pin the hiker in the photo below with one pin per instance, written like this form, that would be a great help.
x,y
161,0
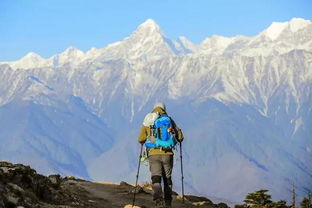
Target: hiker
x,y
159,141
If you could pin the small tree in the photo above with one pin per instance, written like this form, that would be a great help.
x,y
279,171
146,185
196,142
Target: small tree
x,y
279,204
258,198
293,203
306,202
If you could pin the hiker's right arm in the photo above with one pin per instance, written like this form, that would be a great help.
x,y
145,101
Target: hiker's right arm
x,y
178,132
142,135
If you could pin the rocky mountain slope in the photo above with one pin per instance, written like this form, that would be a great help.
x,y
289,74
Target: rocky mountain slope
x,y
21,186
244,104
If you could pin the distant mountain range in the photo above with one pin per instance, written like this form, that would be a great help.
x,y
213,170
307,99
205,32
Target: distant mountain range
x,y
244,104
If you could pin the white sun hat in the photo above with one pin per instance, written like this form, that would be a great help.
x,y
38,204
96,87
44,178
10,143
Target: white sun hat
x,y
160,104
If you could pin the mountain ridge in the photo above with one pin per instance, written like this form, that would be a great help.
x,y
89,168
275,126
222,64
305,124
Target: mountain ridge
x,y
150,29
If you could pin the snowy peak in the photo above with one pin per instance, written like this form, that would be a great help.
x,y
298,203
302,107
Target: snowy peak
x,y
216,44
149,27
217,41
298,23
185,43
72,51
184,40
32,56
71,56
146,43
147,30
277,28
31,60
93,52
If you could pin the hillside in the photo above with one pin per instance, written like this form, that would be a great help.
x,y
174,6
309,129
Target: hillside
x,y
21,186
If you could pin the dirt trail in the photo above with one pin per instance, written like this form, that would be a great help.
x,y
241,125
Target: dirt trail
x,y
113,195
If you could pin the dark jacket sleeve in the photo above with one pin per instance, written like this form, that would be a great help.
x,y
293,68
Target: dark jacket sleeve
x,y
178,132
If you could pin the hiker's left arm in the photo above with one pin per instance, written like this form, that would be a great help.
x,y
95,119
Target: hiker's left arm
x,y
142,135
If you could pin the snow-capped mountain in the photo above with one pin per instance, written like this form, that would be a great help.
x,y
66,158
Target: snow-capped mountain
x,y
70,56
146,43
277,28
244,104
31,60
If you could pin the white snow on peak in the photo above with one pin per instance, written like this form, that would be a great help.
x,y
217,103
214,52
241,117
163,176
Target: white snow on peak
x,y
72,50
93,52
147,42
149,23
117,43
183,39
216,43
276,28
149,28
187,44
32,55
30,60
71,55
298,23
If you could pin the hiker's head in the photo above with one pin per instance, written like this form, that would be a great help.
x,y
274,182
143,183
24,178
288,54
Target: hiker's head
x,y
160,105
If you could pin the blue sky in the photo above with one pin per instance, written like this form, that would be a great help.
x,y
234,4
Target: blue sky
x,y
48,27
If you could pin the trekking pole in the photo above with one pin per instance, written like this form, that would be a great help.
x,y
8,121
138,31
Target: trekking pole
x,y
137,176
182,176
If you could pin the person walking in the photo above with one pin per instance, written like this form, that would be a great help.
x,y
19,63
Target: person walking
x,y
160,133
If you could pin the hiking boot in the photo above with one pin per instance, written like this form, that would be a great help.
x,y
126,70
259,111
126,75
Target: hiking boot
x,y
159,203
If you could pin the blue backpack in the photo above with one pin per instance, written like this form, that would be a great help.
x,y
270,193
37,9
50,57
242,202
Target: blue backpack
x,y
162,135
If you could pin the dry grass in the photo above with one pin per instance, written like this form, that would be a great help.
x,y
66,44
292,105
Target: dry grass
x,y
106,183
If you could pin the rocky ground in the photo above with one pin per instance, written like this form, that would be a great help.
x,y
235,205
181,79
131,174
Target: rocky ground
x,y
21,186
